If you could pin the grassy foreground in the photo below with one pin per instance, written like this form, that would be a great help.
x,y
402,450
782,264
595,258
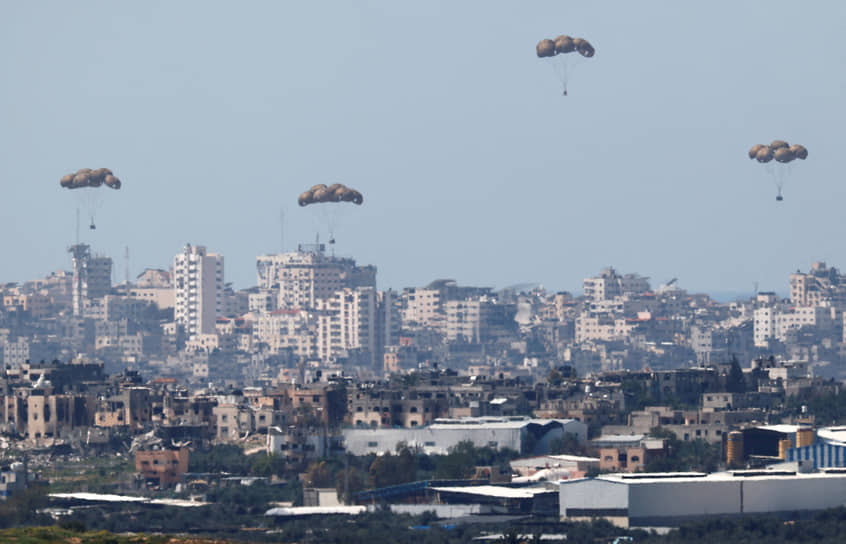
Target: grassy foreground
x,y
44,535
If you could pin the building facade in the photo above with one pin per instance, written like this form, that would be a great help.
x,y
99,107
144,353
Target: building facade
x,y
198,285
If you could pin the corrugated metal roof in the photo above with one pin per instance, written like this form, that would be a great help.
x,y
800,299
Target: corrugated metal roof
x,y
786,429
491,423
613,438
832,434
644,478
293,511
98,497
540,460
105,497
496,491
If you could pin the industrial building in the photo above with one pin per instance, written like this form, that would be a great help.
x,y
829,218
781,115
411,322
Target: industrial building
x,y
521,434
766,444
820,455
828,451
668,499
553,466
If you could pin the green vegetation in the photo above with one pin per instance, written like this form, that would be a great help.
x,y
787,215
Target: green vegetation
x,y
735,380
256,498
826,527
683,456
48,535
403,466
827,407
232,459
93,474
637,395
22,507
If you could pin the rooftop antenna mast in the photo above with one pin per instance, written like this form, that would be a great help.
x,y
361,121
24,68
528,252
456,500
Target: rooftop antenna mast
x,y
126,264
77,226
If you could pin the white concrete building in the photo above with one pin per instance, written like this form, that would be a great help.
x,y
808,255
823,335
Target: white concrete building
x,y
600,327
774,322
302,277
16,353
265,300
465,319
821,286
346,321
198,286
422,308
665,499
280,330
609,284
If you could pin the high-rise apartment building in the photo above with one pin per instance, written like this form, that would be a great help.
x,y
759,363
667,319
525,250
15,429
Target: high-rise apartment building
x,y
198,285
300,278
92,277
347,321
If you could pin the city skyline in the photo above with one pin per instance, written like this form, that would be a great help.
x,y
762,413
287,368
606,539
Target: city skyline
x,y
471,164
117,274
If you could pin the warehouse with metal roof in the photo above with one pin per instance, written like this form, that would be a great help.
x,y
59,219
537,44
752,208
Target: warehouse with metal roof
x,y
668,499
521,434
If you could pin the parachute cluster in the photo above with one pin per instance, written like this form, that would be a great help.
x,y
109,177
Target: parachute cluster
x,y
564,44
778,150
86,177
336,192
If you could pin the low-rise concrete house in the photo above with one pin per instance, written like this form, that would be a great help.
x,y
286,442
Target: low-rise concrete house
x,y
162,467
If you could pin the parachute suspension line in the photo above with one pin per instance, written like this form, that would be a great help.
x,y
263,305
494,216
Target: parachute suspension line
x,y
561,52
331,206
560,68
565,75
85,184
779,173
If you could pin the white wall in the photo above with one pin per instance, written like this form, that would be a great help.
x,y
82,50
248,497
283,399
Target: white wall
x,y
787,495
692,498
593,494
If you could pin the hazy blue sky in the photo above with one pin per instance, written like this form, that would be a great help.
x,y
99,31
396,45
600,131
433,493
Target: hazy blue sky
x,y
473,166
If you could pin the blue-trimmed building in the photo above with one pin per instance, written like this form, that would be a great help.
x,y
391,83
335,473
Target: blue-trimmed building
x,y
822,454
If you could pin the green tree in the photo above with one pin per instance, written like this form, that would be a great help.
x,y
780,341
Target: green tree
x,y
636,394
262,464
350,480
554,378
683,456
220,458
569,444
23,507
318,475
735,380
